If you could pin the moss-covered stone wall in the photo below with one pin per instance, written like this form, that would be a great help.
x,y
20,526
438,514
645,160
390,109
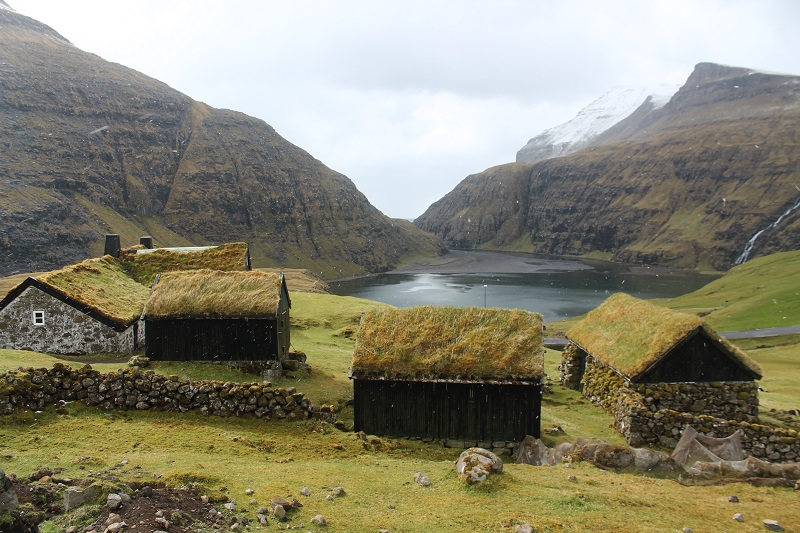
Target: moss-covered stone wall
x,y
573,362
656,414
37,389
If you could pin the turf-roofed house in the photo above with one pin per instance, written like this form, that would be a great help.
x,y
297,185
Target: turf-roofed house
x,y
211,315
89,307
447,373
628,354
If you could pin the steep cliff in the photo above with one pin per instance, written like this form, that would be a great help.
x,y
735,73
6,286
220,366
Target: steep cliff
x,y
685,185
89,147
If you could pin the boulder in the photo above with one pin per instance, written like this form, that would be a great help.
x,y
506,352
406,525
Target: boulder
x,y
75,497
8,494
475,465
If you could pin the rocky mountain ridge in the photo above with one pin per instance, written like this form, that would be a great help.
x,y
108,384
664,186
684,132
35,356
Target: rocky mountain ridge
x,y
686,185
90,147
593,120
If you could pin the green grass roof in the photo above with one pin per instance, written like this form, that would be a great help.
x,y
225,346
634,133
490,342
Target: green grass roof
x,y
630,335
215,294
143,267
450,342
102,285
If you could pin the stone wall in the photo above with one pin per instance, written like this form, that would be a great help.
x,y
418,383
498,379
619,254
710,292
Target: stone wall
x,y
646,414
734,400
37,389
573,361
66,330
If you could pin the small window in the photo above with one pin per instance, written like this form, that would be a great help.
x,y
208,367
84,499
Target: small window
x,y
38,318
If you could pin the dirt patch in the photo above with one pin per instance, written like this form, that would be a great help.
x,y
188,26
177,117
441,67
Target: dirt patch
x,y
150,508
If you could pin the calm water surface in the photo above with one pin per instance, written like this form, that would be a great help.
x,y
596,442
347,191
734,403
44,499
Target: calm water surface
x,y
557,289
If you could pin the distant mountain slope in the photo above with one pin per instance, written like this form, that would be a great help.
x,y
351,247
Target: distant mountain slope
x,y
89,147
593,120
685,185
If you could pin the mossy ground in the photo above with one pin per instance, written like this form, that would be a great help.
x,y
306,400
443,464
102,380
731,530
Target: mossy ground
x,y
279,458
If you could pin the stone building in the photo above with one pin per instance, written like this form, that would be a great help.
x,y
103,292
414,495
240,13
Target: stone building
x,y
630,355
89,307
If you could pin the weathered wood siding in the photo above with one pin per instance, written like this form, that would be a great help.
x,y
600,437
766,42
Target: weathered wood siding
x,y
446,410
206,339
698,359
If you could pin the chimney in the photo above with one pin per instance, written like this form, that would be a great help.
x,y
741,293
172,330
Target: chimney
x,y
112,245
146,241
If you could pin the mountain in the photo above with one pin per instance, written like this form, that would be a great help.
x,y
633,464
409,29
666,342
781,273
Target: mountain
x,y
89,147
688,184
593,120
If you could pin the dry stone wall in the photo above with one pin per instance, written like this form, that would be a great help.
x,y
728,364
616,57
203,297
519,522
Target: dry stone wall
x,y
66,330
657,414
573,361
37,389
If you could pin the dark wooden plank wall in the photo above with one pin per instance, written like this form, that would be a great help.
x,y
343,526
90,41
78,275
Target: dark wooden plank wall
x,y
697,360
469,411
211,339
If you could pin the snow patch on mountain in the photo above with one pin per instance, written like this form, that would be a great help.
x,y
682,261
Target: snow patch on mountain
x,y
594,119
6,7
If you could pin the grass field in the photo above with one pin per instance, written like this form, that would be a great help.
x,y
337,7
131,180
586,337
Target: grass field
x,y
274,458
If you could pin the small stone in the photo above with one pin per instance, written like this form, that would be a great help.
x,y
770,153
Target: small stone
x,y
733,499
390,506
305,491
203,499
523,528
114,501
422,479
116,527
159,513
262,510
163,522
687,530
573,478
318,520
230,506
279,512
249,492
773,525
329,497
113,518
262,519
338,491
739,517
147,492
253,502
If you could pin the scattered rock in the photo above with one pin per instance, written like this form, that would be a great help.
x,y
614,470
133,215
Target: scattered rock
x,y
139,360
422,479
262,519
338,491
318,520
116,527
329,497
147,492
163,522
739,517
249,492
390,506
262,510
733,499
305,491
75,497
114,501
523,528
230,506
113,518
687,530
773,525
279,512
8,495
253,502
573,478
476,464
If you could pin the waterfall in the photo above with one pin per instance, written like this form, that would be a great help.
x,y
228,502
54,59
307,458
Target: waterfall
x,y
749,246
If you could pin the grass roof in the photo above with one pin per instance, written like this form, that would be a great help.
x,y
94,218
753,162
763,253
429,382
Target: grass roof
x,y
450,342
143,267
630,335
215,294
102,285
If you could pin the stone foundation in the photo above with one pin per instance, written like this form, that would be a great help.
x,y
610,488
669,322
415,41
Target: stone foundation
x,y
573,362
37,389
657,413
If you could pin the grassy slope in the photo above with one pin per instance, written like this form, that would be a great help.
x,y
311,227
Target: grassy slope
x,y
277,459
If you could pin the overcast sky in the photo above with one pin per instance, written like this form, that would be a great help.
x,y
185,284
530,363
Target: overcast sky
x,y
409,97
